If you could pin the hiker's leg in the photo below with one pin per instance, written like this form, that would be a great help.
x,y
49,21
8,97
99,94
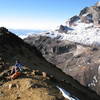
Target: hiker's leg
x,y
16,69
13,70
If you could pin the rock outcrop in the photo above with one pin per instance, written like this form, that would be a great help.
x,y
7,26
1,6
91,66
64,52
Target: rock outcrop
x,y
87,15
94,12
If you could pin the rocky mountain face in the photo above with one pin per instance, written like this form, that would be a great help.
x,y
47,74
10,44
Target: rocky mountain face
x,y
31,83
88,15
74,47
79,61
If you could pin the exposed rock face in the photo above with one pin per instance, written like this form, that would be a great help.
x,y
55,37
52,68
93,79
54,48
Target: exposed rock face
x,y
92,12
87,15
81,62
84,11
73,19
95,11
62,29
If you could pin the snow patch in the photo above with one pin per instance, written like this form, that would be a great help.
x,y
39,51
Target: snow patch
x,y
66,94
94,81
81,33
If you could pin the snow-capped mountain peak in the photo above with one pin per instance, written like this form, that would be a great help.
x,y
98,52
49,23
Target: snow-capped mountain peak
x,y
84,29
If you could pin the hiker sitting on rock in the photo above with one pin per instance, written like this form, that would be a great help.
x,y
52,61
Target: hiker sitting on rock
x,y
17,67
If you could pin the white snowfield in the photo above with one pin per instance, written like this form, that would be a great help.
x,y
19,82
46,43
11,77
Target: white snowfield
x,y
66,94
82,33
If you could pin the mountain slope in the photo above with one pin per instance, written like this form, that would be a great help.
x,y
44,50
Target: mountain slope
x,y
12,47
74,47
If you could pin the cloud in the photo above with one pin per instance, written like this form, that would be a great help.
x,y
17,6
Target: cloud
x,y
28,23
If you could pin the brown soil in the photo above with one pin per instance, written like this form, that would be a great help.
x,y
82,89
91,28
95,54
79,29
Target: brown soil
x,y
29,89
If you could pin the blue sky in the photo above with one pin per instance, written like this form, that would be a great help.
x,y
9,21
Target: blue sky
x,y
39,14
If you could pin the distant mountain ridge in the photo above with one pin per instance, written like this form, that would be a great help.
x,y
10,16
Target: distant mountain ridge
x,y
25,32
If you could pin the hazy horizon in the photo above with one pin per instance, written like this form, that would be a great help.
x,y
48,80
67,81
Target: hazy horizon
x,y
24,32
39,15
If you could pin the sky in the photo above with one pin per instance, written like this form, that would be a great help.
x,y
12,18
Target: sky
x,y
39,14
